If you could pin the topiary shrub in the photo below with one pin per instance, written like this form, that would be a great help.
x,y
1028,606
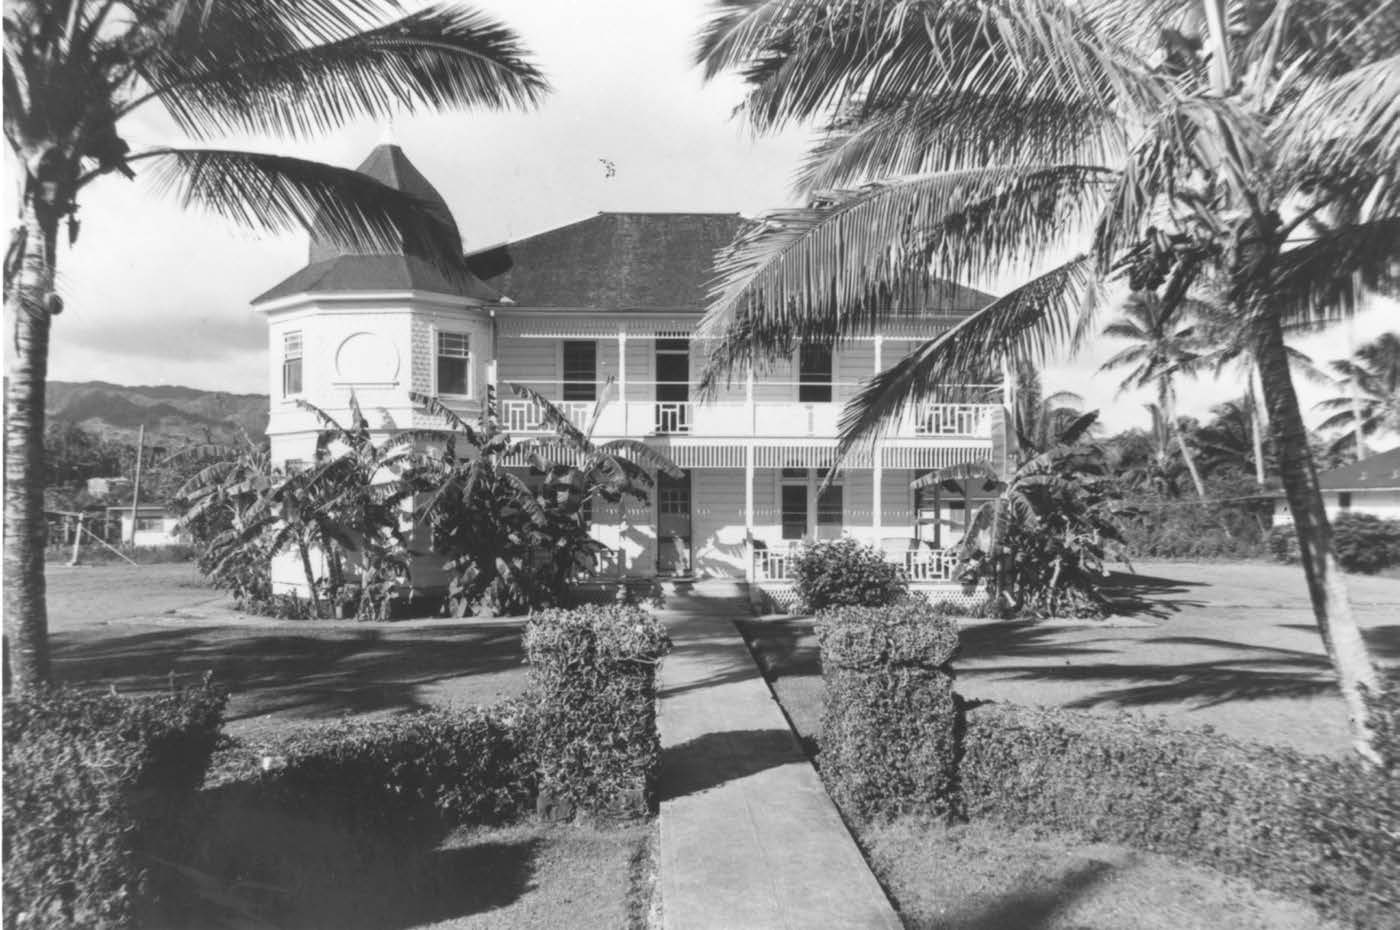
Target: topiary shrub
x,y
1366,543
94,784
888,724
1321,830
844,572
593,696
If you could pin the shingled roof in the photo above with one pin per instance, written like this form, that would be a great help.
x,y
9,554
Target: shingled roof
x,y
629,261
332,267
617,261
1378,473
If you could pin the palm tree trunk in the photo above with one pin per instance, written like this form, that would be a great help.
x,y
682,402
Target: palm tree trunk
x,y
27,351
1331,607
1168,405
1256,428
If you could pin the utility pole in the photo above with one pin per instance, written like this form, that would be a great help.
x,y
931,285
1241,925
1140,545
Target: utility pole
x,y
136,484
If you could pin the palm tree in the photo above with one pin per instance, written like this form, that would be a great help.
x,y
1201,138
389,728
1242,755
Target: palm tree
x,y
77,71
1371,403
1160,350
1146,139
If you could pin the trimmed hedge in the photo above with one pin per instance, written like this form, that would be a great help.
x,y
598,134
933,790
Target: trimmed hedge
x,y
845,572
426,771
888,727
1317,829
94,784
1365,543
593,699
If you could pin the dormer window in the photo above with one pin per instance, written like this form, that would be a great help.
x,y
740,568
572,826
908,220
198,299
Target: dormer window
x,y
291,364
454,364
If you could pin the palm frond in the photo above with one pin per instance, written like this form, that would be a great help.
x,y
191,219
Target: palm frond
x,y
956,129
1023,325
643,455
436,58
552,417
1346,128
868,255
1324,280
434,406
278,193
805,57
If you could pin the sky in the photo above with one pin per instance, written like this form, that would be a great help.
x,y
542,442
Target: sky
x,y
157,295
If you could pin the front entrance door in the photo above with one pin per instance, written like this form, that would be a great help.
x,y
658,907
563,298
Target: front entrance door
x,y
673,525
672,385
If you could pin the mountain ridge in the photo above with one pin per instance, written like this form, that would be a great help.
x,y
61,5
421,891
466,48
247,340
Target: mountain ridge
x,y
172,414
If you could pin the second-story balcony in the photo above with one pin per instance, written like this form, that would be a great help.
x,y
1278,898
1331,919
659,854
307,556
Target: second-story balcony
x,y
738,419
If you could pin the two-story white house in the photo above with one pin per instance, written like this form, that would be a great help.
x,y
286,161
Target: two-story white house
x,y
607,309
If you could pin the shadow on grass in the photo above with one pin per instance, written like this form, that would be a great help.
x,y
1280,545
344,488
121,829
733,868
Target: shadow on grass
x,y
292,871
1027,910
319,673
1135,595
713,759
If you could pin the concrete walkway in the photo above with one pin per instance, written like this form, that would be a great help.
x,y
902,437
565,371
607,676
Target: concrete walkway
x,y
749,838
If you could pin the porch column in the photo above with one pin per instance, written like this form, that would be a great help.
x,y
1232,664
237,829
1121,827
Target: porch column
x,y
748,401
748,512
877,482
877,478
622,374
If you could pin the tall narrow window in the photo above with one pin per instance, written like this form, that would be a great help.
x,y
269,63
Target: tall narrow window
x,y
291,364
814,375
830,504
454,364
795,510
580,370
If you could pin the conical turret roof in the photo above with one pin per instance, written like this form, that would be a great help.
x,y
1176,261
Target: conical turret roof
x,y
334,267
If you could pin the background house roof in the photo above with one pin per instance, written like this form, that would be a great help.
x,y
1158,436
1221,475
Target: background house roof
x,y
332,267
1377,473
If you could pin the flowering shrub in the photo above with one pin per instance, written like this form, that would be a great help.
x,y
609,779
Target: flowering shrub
x,y
844,572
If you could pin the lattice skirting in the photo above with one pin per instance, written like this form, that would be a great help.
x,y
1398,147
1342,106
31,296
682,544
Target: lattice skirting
x,y
778,596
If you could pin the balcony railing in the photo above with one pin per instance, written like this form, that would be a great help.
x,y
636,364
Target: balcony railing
x,y
930,566
766,418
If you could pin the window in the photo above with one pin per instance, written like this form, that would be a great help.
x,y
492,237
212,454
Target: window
x,y
794,510
150,524
830,504
674,500
291,364
814,375
807,513
294,466
454,364
580,370
1344,500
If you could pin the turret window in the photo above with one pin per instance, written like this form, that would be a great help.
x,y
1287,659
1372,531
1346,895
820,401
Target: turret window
x,y
454,364
291,364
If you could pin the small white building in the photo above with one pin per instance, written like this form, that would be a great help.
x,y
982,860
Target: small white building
x,y
154,526
1371,486
613,301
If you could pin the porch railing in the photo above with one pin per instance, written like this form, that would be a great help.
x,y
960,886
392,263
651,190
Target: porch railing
x,y
760,418
930,566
